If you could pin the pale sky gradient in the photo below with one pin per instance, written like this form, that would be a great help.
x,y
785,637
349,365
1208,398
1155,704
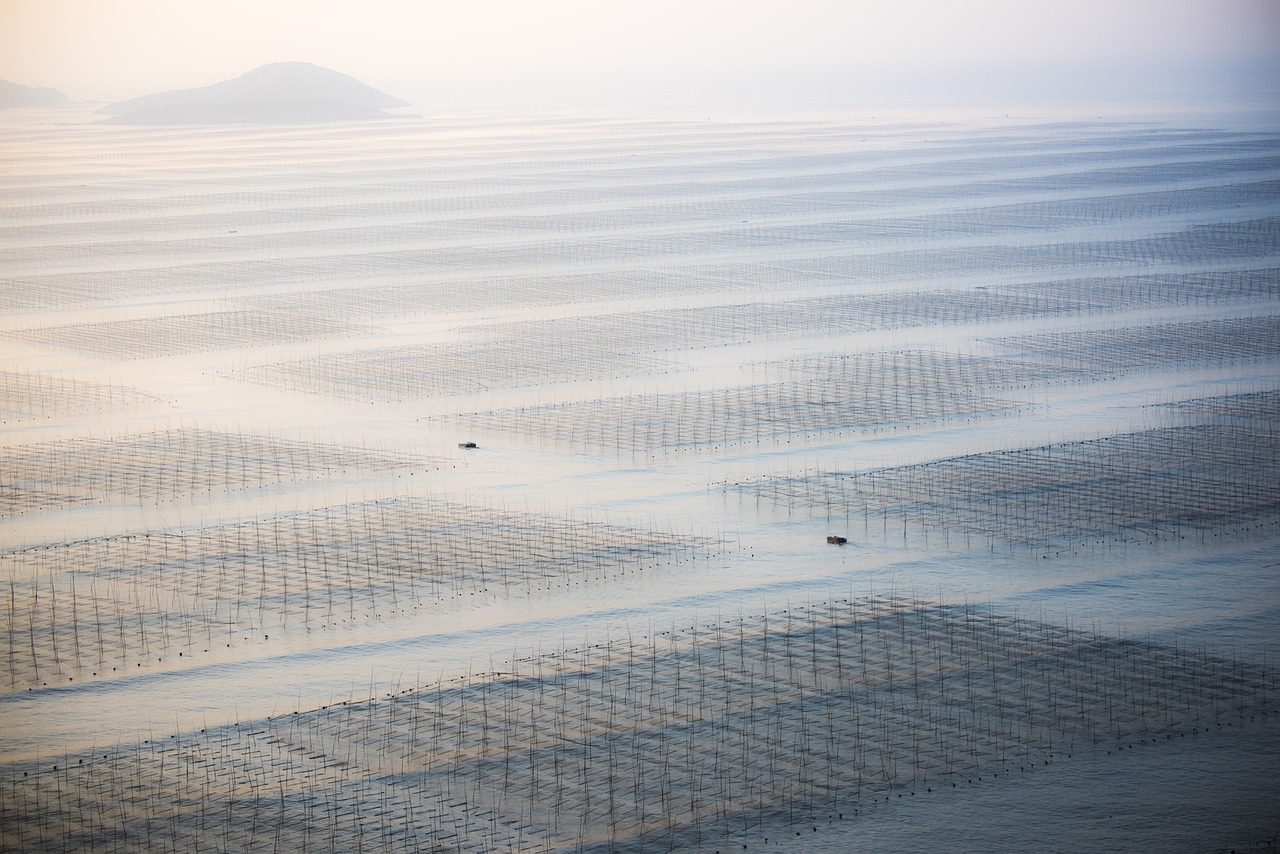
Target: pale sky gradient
x,y
569,52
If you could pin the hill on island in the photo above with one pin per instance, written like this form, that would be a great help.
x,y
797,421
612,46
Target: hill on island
x,y
279,93
17,95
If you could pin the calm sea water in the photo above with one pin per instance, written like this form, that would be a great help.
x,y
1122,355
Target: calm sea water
x,y
374,286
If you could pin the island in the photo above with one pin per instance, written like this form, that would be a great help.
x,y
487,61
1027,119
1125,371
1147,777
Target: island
x,y
278,93
17,95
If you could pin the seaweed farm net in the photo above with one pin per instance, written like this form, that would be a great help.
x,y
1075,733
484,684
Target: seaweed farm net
x,y
875,310
853,393
1171,483
660,214
415,372
1108,293
685,328
99,606
735,730
1252,406
27,396
1134,347
171,464
644,240
389,219
148,337
614,345
932,369
636,332
808,250
1218,244
374,299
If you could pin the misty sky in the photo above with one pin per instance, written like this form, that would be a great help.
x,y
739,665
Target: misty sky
x,y
684,52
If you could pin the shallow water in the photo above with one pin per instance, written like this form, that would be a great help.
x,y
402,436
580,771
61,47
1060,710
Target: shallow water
x,y
1207,793
395,289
